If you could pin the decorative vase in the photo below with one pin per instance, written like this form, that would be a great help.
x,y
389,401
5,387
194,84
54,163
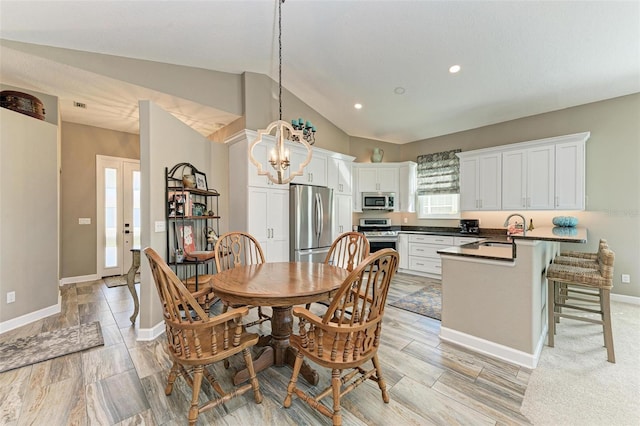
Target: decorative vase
x,y
377,155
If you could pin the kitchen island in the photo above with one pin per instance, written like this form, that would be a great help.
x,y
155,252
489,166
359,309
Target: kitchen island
x,y
494,295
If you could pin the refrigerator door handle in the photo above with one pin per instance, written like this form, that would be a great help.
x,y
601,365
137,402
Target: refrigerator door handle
x,y
317,215
321,216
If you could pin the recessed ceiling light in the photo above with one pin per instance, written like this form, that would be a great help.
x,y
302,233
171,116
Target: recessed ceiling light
x,y
399,90
454,69
358,106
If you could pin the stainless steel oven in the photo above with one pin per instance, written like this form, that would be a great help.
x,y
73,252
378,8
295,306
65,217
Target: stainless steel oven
x,y
380,233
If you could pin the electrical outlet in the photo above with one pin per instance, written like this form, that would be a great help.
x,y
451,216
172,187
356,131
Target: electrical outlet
x,y
11,297
626,278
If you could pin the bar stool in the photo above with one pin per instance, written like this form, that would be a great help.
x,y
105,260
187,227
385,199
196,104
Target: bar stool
x,y
597,284
582,259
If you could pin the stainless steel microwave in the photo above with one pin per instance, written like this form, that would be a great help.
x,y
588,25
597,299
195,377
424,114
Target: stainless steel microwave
x,y
378,201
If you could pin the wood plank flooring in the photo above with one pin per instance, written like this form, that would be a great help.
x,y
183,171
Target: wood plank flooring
x,y
122,383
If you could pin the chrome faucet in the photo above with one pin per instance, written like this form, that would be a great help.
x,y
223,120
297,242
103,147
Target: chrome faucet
x,y
524,222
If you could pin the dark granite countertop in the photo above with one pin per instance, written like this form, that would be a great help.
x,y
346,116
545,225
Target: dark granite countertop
x,y
557,233
449,231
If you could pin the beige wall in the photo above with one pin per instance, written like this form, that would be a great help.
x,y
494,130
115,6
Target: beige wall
x,y
612,174
362,148
261,108
80,145
28,216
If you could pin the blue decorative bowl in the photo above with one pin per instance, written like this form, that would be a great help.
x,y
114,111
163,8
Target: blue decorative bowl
x,y
565,221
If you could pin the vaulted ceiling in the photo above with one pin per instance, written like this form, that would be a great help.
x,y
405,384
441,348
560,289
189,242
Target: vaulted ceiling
x,y
393,57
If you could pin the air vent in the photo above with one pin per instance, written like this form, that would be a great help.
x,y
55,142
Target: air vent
x,y
79,105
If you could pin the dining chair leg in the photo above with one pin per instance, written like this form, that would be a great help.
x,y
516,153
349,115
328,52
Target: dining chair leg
x,y
294,378
606,324
336,383
252,375
197,383
381,382
173,375
551,309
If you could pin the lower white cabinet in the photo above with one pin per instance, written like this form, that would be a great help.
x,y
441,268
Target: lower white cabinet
x,y
268,221
423,252
342,214
403,251
419,252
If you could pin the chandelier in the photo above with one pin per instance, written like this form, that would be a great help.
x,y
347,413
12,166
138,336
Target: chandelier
x,y
279,156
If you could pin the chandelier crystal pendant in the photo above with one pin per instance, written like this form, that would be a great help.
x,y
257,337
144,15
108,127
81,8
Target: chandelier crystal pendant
x,y
279,157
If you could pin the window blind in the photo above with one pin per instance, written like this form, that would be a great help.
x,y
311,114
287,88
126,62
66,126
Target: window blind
x,y
439,173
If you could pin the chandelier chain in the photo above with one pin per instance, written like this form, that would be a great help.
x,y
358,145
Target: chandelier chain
x,y
280,56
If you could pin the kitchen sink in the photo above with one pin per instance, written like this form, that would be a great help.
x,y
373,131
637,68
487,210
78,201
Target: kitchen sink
x,y
495,244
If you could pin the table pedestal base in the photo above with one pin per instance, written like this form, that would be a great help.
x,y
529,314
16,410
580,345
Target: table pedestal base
x,y
277,349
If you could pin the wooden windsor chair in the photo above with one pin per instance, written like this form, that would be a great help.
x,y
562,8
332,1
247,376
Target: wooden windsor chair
x,y
346,252
196,340
239,248
345,342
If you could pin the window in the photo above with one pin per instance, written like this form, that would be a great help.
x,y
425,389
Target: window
x,y
439,206
439,185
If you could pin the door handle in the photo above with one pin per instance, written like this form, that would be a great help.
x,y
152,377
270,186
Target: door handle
x,y
126,231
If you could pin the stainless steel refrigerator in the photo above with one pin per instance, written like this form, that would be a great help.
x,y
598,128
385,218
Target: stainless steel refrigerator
x,y
310,222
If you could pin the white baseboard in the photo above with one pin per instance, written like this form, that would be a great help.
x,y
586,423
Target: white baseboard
x,y
625,299
31,317
80,279
493,349
147,334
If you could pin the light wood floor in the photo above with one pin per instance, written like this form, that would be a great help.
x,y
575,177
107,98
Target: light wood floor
x,y
122,383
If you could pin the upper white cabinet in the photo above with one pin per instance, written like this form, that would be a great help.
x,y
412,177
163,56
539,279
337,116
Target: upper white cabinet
x,y
544,174
407,188
315,173
570,172
480,181
528,178
376,178
339,174
399,178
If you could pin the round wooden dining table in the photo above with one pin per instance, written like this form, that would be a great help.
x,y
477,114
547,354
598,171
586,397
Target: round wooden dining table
x,y
280,285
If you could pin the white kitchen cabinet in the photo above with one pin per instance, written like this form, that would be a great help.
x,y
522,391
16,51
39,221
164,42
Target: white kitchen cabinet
x,y
399,178
480,181
423,253
569,173
315,173
254,206
528,178
270,223
403,251
378,178
339,174
342,217
543,174
407,187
